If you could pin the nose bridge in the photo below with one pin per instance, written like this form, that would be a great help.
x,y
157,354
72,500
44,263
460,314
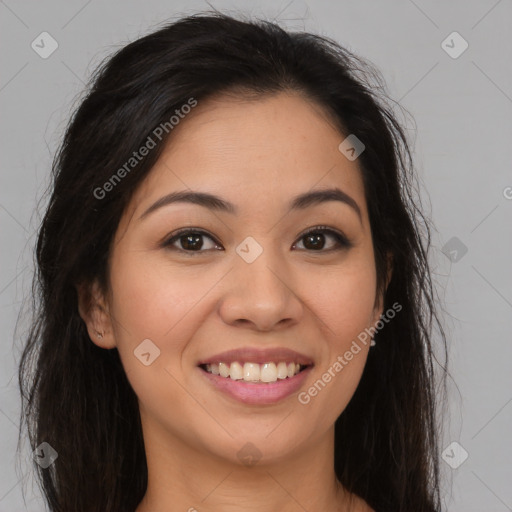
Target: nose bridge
x,y
258,290
261,276
258,269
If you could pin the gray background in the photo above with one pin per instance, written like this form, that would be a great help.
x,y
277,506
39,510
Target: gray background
x,y
462,109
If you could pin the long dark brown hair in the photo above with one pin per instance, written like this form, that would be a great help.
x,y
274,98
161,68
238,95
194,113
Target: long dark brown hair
x,y
75,395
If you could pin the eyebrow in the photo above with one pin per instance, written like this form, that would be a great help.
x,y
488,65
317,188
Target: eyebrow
x,y
216,203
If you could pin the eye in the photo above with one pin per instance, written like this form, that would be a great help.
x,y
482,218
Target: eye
x,y
315,239
190,240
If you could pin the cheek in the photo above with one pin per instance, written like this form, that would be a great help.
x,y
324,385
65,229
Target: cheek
x,y
157,301
343,301
152,300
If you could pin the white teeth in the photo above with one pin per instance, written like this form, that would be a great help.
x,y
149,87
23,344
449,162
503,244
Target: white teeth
x,y
251,372
268,372
223,369
282,371
236,371
254,372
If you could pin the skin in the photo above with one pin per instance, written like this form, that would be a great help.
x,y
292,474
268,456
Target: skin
x,y
258,155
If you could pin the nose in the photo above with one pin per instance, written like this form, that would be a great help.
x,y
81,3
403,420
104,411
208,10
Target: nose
x,y
261,295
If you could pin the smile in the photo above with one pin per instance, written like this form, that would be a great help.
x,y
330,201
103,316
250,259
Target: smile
x,y
257,392
254,372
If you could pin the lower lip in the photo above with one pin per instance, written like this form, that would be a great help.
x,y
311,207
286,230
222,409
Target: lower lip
x,y
259,393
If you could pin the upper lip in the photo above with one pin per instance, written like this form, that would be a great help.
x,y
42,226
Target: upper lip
x,y
258,355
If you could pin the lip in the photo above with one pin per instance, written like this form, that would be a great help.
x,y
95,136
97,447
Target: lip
x,y
257,393
259,355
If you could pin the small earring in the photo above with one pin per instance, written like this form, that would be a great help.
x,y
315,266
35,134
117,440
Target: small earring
x,y
99,334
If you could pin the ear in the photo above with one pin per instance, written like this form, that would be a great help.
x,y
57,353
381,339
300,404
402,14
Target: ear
x,y
94,311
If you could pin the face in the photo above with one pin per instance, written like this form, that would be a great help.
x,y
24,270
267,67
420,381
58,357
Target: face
x,y
265,281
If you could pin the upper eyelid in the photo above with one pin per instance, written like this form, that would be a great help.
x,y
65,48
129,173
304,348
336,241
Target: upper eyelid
x,y
184,231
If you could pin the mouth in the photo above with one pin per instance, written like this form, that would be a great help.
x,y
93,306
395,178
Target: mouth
x,y
265,373
256,376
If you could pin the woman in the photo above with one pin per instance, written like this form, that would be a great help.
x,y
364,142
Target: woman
x,y
235,300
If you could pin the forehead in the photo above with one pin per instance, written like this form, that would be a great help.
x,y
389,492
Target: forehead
x,y
253,152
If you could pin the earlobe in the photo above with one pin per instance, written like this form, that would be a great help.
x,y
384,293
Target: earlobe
x,y
93,310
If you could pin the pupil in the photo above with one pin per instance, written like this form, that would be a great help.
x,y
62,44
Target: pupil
x,y
190,240
317,241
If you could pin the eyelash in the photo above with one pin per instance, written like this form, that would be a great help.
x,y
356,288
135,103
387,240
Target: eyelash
x,y
343,242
